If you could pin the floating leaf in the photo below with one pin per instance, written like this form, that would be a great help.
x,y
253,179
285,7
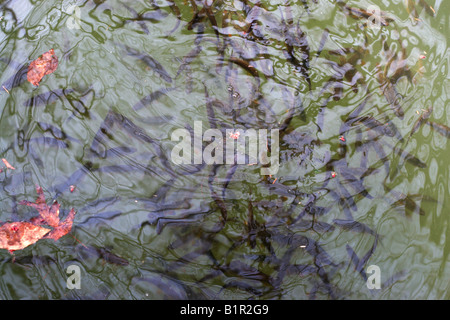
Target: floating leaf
x,y
8,166
43,65
49,215
64,228
18,235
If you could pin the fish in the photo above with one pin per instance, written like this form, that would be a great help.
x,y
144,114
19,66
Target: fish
x,y
131,128
35,260
428,9
303,66
153,16
226,19
440,128
163,286
391,95
105,255
411,9
295,107
187,59
149,61
372,123
244,286
111,258
104,217
74,179
312,225
297,39
391,129
336,80
136,18
314,249
422,118
358,13
409,204
116,152
139,133
18,78
48,142
311,209
198,17
236,268
360,263
251,226
409,158
401,275
379,151
221,205
245,65
322,42
212,19
99,204
357,185
154,96
177,12
407,200
355,226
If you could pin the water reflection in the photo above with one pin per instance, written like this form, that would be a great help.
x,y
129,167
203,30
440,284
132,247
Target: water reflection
x,y
363,130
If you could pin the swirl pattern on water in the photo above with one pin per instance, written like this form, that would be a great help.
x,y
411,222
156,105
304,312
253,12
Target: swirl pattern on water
x,y
351,180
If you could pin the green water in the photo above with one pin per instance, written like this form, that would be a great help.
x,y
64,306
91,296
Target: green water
x,y
162,218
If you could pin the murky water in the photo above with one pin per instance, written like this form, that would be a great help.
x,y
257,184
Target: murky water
x,y
358,185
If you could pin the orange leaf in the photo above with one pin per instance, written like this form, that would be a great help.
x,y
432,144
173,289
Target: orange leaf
x,y
43,65
49,215
18,235
64,228
8,166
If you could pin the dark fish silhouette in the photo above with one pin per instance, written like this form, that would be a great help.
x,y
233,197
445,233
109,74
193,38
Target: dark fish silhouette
x,y
391,95
355,226
149,61
360,263
440,128
154,17
358,13
48,142
322,42
409,158
147,100
296,38
422,118
105,255
245,65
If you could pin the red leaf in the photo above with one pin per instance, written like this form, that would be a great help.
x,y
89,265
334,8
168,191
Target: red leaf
x,y
18,235
43,65
50,215
64,228
8,166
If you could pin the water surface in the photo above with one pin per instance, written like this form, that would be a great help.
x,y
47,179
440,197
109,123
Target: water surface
x,y
149,229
